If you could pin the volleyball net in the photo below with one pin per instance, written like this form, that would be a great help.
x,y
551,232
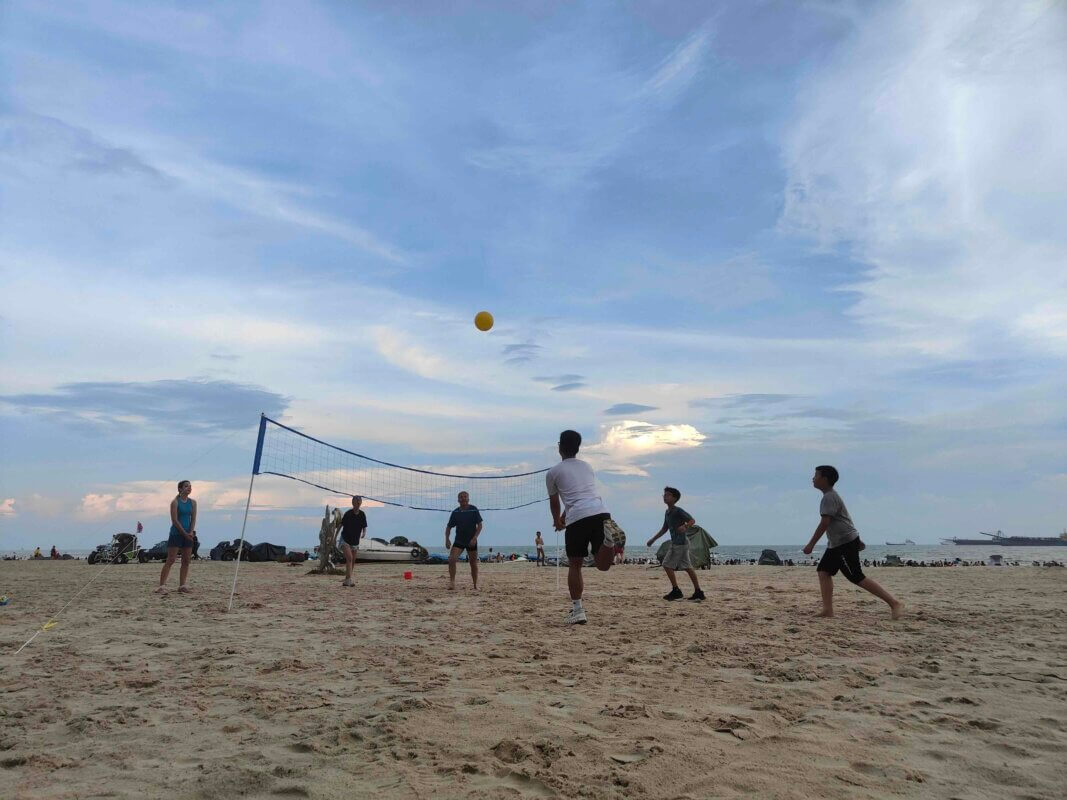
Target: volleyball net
x,y
288,453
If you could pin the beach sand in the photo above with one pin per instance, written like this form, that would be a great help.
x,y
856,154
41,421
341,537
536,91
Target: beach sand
x,y
400,689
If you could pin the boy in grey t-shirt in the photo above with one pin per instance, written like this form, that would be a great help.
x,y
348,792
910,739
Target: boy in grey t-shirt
x,y
843,549
677,521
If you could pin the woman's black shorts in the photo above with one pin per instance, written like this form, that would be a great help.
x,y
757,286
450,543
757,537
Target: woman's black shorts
x,y
845,558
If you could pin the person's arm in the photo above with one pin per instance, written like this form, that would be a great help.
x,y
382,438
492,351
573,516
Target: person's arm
x,y
448,529
174,516
662,531
192,523
557,518
477,531
824,523
363,530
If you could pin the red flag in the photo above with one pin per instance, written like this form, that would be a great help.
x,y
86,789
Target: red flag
x,y
140,527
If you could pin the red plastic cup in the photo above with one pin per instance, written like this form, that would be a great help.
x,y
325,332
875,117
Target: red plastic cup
x,y
407,576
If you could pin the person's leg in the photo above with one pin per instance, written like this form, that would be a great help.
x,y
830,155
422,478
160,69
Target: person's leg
x,y
172,554
826,588
875,588
692,573
851,569
671,577
183,575
350,562
472,557
574,579
453,557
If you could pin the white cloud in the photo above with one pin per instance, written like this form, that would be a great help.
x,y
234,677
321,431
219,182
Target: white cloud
x,y
396,348
154,497
932,147
625,447
7,507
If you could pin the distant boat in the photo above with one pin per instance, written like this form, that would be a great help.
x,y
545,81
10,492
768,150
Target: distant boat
x,y
999,538
899,544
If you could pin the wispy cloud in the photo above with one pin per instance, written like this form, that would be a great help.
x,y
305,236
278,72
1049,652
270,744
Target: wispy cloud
x,y
521,353
174,405
7,507
741,400
627,408
53,143
681,66
593,113
932,149
568,378
569,387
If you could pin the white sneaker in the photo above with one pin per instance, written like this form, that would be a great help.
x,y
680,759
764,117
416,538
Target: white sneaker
x,y
576,617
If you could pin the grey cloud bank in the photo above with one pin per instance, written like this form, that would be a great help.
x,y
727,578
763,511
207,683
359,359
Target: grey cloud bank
x,y
178,405
628,408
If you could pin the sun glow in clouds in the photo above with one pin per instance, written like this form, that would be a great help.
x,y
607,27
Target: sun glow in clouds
x,y
629,441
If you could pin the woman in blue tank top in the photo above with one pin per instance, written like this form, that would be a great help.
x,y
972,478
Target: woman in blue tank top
x,y
182,532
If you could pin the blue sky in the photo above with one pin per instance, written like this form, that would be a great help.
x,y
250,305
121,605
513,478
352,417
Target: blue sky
x,y
727,242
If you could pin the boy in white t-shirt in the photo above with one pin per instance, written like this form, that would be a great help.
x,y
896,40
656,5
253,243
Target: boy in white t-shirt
x,y
572,481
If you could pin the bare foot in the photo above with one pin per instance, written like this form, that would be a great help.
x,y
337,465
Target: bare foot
x,y
183,589
451,587
896,611
475,588
161,590
825,613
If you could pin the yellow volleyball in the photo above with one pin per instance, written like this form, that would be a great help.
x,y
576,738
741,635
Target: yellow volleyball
x,y
483,320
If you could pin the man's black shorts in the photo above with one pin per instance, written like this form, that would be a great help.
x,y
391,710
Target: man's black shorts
x,y
845,558
470,548
585,536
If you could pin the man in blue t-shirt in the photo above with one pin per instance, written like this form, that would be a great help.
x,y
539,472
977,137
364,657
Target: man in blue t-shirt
x,y
468,524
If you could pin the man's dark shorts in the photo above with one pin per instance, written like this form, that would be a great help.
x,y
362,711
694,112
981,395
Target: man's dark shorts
x,y
470,548
845,558
585,536
348,540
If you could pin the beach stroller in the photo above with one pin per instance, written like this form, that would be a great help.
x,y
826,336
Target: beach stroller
x,y
122,548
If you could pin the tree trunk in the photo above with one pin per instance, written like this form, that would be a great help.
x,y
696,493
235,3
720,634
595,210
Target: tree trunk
x,y
331,525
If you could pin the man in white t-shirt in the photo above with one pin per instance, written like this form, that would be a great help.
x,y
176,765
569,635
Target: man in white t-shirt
x,y
572,481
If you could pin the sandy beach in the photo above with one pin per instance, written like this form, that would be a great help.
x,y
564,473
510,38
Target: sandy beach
x,y
400,689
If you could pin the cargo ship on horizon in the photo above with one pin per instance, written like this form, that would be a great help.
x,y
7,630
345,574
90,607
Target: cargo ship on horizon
x,y
1001,540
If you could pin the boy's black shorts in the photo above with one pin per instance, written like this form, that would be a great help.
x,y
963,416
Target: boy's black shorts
x,y
845,558
585,534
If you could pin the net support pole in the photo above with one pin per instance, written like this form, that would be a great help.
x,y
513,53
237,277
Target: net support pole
x,y
240,547
248,503
557,561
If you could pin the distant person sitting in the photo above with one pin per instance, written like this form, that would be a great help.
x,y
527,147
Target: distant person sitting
x,y
37,553
54,553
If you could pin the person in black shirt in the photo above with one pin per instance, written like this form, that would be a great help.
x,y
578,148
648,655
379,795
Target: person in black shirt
x,y
468,524
353,527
